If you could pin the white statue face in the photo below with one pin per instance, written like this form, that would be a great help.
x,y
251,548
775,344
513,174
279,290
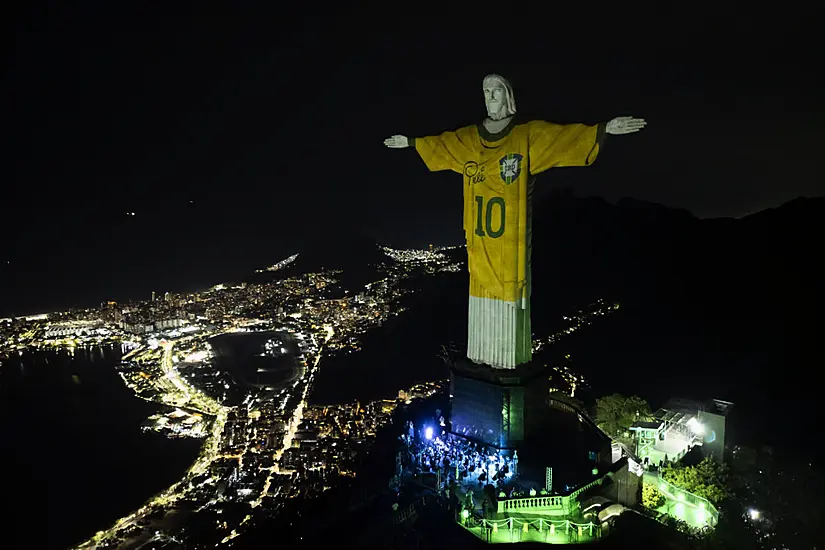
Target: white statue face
x,y
494,97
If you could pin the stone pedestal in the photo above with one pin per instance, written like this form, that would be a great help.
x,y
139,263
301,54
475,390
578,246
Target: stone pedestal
x,y
498,407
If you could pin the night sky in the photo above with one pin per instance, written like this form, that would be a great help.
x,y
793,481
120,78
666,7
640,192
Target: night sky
x,y
232,133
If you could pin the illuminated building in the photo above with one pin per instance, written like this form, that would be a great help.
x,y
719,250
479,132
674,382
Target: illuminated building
x,y
681,425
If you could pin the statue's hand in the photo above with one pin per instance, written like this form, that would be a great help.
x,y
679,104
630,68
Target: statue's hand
x,y
397,142
625,125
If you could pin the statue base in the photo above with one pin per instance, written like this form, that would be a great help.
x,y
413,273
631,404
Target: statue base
x,y
497,407
513,409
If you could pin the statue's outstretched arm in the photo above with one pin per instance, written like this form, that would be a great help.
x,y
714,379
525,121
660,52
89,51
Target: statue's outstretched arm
x,y
553,145
446,151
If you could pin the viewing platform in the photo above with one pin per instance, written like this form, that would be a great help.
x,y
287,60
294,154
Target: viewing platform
x,y
521,528
531,529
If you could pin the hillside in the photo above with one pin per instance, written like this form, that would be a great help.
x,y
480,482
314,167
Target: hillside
x,y
710,308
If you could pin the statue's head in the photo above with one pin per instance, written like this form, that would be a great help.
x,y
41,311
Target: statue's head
x,y
498,96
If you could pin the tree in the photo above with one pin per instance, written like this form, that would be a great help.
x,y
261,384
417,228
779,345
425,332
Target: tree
x,y
708,479
651,497
616,413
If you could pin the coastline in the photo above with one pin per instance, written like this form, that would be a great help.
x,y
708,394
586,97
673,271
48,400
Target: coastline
x,y
162,502
169,495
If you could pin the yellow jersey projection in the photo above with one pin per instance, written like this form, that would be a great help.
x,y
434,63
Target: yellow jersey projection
x,y
497,170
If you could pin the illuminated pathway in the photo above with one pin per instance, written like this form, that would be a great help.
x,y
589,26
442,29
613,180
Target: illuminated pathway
x,y
170,371
298,416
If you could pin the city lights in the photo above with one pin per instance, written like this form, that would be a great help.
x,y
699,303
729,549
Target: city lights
x,y
262,445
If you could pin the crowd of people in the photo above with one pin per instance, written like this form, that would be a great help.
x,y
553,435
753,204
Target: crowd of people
x,y
468,463
469,475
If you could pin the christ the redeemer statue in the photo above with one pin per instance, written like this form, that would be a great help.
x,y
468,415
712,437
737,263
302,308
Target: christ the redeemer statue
x,y
498,159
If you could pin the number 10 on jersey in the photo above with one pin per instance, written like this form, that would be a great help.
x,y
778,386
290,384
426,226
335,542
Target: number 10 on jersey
x,y
484,217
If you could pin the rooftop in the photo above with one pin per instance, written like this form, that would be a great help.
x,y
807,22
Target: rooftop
x,y
690,406
717,406
674,417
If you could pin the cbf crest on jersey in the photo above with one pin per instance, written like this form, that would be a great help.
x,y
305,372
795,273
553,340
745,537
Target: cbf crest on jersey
x,y
510,167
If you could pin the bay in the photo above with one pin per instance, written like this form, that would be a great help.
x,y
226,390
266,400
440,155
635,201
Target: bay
x,y
73,455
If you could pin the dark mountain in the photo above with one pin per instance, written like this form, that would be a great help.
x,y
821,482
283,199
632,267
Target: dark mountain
x,y
333,246
643,252
338,246
727,308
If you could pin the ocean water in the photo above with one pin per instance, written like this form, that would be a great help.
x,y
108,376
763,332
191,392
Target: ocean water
x,y
72,454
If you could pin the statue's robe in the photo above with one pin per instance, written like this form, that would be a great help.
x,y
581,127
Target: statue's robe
x,y
498,170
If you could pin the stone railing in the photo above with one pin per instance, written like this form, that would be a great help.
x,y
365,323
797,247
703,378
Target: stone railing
x,y
520,503
680,496
409,512
582,489
554,505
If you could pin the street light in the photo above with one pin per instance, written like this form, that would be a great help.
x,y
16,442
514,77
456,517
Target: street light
x,y
697,427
